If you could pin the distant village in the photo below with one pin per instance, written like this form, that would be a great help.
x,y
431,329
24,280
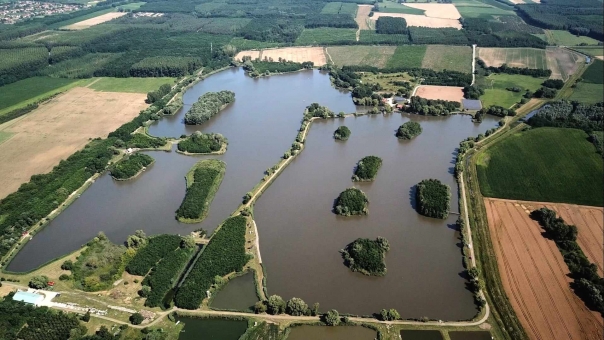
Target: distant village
x,y
13,12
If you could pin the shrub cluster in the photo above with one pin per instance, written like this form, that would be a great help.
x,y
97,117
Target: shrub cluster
x,y
206,178
207,106
165,274
409,130
432,107
224,254
316,110
342,133
129,166
200,142
367,169
553,83
158,94
433,198
472,92
156,249
588,285
351,201
366,256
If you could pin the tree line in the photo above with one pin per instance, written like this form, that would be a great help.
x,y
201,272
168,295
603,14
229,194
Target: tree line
x,y
534,72
330,20
432,107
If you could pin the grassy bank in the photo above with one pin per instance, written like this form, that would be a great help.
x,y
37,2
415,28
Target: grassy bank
x,y
203,181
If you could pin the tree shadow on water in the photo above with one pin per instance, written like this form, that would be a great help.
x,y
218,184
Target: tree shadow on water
x,y
412,198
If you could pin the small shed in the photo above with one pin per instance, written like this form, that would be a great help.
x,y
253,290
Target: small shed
x,y
27,297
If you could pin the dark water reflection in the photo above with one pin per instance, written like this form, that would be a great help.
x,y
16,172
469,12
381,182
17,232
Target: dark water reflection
x,y
331,333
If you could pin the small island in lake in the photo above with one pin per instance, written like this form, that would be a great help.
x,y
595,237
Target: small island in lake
x,y
342,133
366,256
130,166
200,143
351,201
203,180
409,130
367,169
433,198
207,106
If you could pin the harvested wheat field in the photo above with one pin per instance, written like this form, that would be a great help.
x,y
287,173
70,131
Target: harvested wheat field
x,y
563,63
514,57
440,92
420,20
362,16
252,54
94,21
534,274
444,11
296,54
60,127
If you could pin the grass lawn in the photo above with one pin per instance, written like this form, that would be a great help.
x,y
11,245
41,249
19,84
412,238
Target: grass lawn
x,y
588,93
495,85
361,55
565,38
407,56
453,58
385,80
325,35
544,164
4,136
132,85
30,90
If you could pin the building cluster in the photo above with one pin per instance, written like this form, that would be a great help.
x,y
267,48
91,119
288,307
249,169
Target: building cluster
x,y
12,12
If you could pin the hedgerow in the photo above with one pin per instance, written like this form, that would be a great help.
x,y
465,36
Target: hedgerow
x,y
130,166
157,248
224,254
164,275
202,183
433,198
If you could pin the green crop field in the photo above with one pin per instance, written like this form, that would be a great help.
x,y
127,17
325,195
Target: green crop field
x,y
134,85
132,5
594,51
495,88
361,55
340,8
480,10
372,37
4,136
588,93
543,164
453,58
326,36
393,7
565,38
407,56
595,72
29,90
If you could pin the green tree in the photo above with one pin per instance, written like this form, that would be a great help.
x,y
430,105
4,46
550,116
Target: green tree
x,y
187,242
67,265
137,240
260,307
86,317
136,319
296,307
275,305
38,282
409,130
331,318
144,292
315,309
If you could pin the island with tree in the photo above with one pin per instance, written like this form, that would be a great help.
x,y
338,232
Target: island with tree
x,y
130,166
351,201
366,169
433,198
203,181
203,143
409,130
366,256
342,133
207,106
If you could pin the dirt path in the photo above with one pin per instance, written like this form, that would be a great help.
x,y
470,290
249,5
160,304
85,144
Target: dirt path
x,y
257,242
473,64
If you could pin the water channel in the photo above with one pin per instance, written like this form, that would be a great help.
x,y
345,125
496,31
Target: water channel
x,y
211,329
421,335
331,333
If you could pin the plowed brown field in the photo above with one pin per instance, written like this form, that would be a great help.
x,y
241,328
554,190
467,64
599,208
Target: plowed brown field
x,y
451,93
296,54
534,274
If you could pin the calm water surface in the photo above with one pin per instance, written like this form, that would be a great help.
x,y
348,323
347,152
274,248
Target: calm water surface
x,y
421,335
464,335
300,237
211,329
238,294
260,125
331,333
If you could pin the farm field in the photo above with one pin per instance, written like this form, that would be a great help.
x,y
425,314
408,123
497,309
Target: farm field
x,y
515,57
565,38
588,93
495,88
594,51
29,90
420,20
444,11
377,56
477,9
94,21
326,36
534,274
595,72
362,16
132,6
563,62
130,85
453,58
451,93
4,136
48,134
411,56
340,8
394,7
543,164
297,54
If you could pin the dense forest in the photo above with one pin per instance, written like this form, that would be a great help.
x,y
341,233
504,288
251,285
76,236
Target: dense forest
x,y
351,201
207,106
366,256
130,166
165,274
587,284
202,183
570,115
367,169
151,252
433,198
391,25
409,130
224,254
200,142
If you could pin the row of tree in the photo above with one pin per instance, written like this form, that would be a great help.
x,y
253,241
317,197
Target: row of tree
x,y
330,20
534,72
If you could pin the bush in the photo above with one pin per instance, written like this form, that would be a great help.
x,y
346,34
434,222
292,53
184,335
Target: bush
x,y
316,110
472,92
389,315
331,318
296,307
224,254
207,106
367,168
275,305
130,166
342,133
67,265
202,183
409,130
351,201
64,277
86,317
553,83
545,92
157,248
366,256
136,319
260,307
38,282
433,198
200,142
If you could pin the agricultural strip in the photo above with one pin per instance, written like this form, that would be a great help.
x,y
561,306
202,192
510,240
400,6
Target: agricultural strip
x,y
363,16
203,181
545,165
59,128
565,38
534,276
130,85
451,93
94,21
30,90
453,58
361,55
407,56
421,20
514,57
